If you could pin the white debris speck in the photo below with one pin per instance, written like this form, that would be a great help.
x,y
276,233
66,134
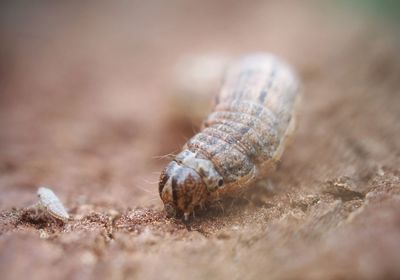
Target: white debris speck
x,y
50,202
43,234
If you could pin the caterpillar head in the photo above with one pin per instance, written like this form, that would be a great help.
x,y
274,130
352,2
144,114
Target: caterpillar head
x,y
185,184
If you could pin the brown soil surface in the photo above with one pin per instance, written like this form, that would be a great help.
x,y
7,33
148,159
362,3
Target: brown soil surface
x,y
86,109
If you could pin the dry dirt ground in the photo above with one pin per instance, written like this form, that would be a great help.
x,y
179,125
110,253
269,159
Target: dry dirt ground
x,y
86,108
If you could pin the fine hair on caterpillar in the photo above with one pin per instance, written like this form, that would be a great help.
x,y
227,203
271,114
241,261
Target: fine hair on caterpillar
x,y
240,141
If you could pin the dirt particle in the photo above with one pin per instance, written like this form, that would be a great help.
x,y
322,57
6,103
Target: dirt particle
x,y
343,188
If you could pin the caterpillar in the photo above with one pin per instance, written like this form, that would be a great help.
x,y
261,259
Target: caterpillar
x,y
241,140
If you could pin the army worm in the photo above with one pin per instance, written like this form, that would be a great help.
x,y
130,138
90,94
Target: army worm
x,y
240,141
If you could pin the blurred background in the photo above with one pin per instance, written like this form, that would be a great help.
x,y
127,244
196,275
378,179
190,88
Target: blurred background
x,y
88,87
95,94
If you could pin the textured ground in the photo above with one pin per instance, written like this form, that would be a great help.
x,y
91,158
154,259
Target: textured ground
x,y
87,106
